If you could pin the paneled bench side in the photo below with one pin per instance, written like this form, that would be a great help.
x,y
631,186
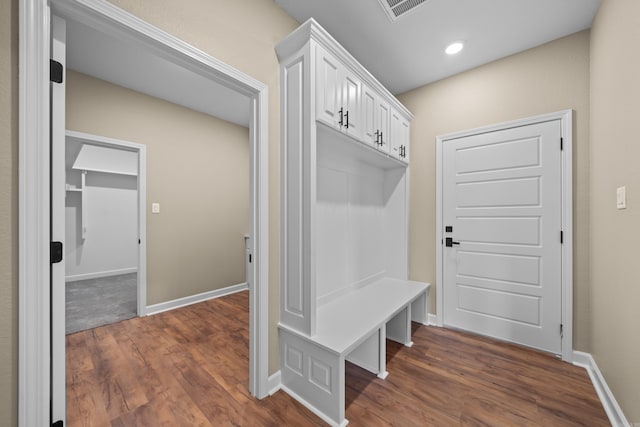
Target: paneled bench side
x,y
353,327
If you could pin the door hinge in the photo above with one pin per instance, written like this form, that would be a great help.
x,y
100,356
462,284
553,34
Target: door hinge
x,y
561,144
55,71
58,423
56,252
250,258
561,330
561,237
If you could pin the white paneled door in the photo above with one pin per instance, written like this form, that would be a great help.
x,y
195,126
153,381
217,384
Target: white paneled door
x,y
501,216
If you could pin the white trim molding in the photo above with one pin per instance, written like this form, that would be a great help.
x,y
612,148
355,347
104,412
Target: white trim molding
x,y
432,319
34,345
566,120
275,383
611,407
34,369
193,299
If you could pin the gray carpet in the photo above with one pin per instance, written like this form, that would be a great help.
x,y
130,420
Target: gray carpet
x,y
97,302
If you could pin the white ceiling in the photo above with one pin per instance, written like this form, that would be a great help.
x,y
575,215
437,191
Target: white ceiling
x,y
92,52
410,52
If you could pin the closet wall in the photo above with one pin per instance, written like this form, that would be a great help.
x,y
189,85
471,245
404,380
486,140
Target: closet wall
x,y
197,169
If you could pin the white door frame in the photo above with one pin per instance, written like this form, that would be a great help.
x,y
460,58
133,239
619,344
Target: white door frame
x,y
34,296
141,149
566,126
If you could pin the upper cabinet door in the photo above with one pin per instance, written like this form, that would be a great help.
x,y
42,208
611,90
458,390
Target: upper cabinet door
x,y
383,113
351,92
329,89
399,142
369,119
405,138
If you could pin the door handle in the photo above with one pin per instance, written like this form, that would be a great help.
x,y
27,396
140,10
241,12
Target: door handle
x,y
449,242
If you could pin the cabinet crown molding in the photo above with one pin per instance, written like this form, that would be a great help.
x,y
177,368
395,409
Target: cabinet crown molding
x,y
314,31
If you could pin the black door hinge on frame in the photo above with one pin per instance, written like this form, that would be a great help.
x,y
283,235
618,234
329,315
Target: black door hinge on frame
x,y
55,71
561,144
58,423
561,236
56,252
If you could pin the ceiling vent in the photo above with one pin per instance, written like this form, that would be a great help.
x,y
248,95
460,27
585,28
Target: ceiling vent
x,y
397,8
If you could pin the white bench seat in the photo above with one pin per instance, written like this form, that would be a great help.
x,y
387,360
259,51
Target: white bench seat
x,y
344,322
353,327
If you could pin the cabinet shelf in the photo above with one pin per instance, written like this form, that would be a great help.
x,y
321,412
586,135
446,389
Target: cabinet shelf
x,y
341,144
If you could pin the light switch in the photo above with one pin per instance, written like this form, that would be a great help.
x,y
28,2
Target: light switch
x,y
155,207
621,197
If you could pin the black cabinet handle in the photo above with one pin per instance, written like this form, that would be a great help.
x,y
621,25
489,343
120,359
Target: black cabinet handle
x,y
377,134
341,112
381,139
347,116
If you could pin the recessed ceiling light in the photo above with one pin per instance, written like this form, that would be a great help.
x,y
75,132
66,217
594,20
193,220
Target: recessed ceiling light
x,y
454,48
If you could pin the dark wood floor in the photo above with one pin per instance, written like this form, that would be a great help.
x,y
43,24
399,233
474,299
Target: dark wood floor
x,y
189,367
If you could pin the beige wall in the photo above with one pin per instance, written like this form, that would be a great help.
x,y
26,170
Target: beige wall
x,y
197,169
8,212
545,79
615,161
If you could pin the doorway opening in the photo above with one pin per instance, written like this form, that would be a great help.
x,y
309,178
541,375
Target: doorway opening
x,y
217,80
105,193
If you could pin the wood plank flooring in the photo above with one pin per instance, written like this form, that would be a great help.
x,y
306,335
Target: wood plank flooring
x,y
189,367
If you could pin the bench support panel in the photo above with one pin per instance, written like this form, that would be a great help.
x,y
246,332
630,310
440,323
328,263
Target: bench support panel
x,y
367,355
399,327
315,375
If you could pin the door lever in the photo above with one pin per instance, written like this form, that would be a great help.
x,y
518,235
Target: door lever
x,y
449,242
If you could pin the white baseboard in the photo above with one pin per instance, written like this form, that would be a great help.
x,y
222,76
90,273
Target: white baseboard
x,y
100,274
611,407
182,302
274,383
312,408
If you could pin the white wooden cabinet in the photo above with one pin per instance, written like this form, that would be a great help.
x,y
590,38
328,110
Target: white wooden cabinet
x,y
338,95
344,241
399,140
376,115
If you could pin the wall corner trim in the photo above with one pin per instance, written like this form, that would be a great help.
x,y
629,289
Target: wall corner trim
x,y
611,407
275,383
432,319
193,299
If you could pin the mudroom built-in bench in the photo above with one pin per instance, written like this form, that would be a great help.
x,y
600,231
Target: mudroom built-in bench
x,y
345,195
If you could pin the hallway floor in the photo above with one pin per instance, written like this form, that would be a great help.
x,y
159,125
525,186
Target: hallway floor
x,y
189,367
